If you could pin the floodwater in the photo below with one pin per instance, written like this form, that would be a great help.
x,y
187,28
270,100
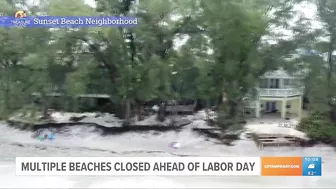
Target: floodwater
x,y
86,141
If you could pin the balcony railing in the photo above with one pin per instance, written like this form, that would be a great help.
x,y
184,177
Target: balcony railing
x,y
280,92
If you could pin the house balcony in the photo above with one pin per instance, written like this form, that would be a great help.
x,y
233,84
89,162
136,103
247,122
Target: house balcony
x,y
287,92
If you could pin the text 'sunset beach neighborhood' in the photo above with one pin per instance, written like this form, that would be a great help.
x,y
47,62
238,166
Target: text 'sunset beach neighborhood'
x,y
85,21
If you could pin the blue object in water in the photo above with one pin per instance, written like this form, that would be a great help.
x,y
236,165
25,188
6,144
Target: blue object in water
x,y
51,136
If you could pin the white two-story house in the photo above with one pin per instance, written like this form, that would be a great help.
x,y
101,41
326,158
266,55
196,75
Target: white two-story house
x,y
278,92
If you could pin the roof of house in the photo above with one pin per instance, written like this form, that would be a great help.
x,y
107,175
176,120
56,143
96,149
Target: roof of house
x,y
281,73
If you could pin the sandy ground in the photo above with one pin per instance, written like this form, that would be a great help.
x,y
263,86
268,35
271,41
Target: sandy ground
x,y
83,141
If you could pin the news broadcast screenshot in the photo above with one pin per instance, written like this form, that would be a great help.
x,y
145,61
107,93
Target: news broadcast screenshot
x,y
167,94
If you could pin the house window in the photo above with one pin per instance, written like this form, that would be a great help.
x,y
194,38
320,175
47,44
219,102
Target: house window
x,y
288,106
274,83
286,82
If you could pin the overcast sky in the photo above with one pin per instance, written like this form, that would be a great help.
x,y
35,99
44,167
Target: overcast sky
x,y
90,2
307,10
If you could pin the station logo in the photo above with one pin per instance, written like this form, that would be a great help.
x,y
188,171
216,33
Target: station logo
x,y
20,14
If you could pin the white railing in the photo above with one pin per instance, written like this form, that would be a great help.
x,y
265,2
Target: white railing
x,y
280,92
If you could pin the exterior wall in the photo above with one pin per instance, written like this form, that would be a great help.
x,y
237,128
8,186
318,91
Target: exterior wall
x,y
279,106
295,106
294,102
263,107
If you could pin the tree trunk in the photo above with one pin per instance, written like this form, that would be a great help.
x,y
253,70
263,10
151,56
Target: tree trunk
x,y
140,112
127,112
206,106
162,112
44,104
333,113
220,99
119,111
232,108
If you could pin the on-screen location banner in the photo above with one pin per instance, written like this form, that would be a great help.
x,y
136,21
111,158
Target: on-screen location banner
x,y
173,166
68,21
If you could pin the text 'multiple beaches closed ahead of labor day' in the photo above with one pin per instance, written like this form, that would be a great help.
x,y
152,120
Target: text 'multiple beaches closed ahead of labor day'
x,y
173,166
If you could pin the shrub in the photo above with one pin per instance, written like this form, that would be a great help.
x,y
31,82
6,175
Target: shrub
x,y
227,122
318,127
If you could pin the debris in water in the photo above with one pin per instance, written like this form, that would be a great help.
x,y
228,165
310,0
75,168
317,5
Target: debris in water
x,y
43,135
175,145
51,136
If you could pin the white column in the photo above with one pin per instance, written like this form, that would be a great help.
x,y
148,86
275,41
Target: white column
x,y
257,109
268,83
281,83
284,109
300,107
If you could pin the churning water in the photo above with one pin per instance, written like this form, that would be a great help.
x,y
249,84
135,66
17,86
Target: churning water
x,y
88,141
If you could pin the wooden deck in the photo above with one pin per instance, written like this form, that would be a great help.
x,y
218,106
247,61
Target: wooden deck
x,y
181,108
80,95
264,140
